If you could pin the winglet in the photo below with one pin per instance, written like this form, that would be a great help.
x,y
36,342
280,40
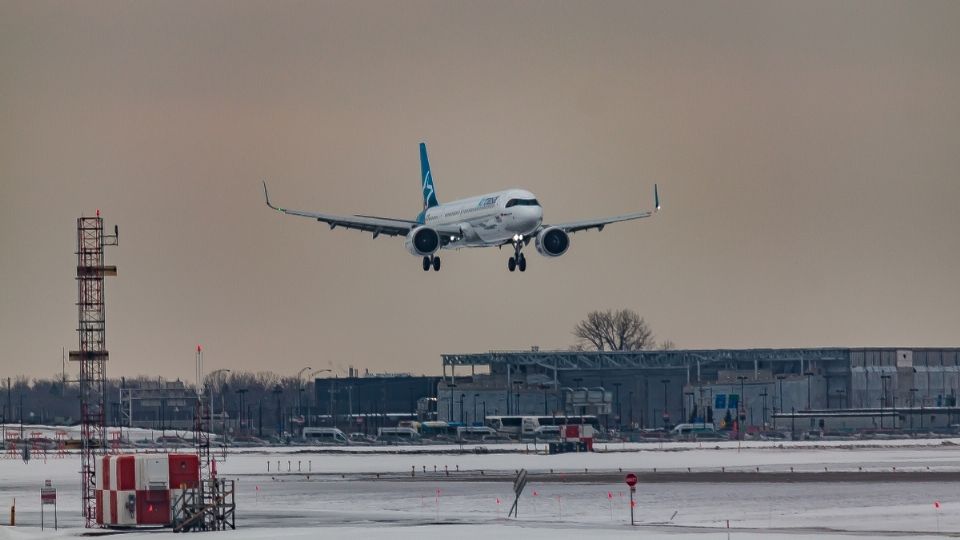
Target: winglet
x,y
267,197
656,197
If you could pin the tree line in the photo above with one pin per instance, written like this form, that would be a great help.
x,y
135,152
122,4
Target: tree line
x,y
54,401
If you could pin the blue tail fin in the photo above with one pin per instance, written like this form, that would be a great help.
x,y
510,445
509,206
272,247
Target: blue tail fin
x,y
426,178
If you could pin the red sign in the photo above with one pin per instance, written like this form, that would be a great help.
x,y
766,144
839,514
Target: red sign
x,y
631,479
48,495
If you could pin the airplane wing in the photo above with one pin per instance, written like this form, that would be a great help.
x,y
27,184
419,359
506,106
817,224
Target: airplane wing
x,y
372,224
599,224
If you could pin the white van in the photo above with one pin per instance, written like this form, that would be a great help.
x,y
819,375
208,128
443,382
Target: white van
x,y
696,430
397,434
324,435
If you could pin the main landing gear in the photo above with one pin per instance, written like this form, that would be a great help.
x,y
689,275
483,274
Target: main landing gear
x,y
433,261
518,261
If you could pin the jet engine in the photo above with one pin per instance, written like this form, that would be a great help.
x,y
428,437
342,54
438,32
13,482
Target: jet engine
x,y
422,241
552,242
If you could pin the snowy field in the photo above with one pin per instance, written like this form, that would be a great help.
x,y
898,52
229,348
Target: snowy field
x,y
337,494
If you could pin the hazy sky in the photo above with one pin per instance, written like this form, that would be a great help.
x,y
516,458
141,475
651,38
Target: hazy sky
x,y
807,155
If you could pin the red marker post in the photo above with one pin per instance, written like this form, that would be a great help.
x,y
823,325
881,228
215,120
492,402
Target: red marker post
x,y
631,480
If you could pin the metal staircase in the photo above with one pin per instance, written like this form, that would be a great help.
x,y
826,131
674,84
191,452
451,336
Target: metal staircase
x,y
208,507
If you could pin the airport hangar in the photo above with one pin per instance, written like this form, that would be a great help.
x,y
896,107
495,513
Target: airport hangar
x,y
835,388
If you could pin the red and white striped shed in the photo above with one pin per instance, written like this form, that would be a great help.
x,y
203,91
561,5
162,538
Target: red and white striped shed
x,y
140,489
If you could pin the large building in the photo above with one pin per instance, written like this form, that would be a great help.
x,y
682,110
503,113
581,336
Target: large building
x,y
363,403
849,387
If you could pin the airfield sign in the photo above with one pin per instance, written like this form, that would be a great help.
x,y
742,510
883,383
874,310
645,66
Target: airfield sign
x,y
519,483
631,480
48,495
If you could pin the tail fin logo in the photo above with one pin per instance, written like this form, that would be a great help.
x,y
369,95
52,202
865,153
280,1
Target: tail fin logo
x,y
428,192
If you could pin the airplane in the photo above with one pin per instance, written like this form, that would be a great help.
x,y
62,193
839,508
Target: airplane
x,y
511,217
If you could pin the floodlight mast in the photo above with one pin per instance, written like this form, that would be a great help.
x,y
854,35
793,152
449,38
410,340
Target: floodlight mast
x,y
92,353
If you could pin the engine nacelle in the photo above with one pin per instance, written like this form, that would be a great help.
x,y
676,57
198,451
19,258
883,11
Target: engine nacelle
x,y
422,241
552,242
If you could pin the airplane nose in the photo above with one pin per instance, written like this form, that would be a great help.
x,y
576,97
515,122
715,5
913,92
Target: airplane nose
x,y
532,216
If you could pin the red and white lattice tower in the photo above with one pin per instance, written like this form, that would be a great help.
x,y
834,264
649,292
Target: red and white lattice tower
x,y
92,355
13,445
61,442
202,423
38,447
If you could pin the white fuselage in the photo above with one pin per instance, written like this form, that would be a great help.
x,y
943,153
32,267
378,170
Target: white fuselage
x,y
489,220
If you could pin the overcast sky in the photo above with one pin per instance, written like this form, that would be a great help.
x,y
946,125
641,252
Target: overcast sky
x,y
807,155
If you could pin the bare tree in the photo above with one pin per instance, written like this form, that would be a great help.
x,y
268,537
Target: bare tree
x,y
621,330
667,345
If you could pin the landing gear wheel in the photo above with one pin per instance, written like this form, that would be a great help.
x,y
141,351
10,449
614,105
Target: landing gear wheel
x,y
522,265
436,264
512,264
426,264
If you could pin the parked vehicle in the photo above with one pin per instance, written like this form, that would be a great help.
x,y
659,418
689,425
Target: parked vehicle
x,y
397,435
361,438
474,433
696,431
547,433
324,435
439,430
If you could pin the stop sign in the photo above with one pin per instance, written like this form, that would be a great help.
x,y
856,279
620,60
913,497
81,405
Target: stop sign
x,y
631,479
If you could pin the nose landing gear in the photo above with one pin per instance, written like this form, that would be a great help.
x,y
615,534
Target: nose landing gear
x,y
518,261
433,261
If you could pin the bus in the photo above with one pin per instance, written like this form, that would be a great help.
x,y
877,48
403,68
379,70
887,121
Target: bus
x,y
526,426
439,430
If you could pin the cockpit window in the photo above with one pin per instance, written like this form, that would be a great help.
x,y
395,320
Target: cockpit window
x,y
522,202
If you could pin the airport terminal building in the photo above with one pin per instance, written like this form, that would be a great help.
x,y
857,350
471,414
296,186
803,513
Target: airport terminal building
x,y
828,388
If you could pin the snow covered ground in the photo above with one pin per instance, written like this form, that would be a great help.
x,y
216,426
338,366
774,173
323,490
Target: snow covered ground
x,y
295,506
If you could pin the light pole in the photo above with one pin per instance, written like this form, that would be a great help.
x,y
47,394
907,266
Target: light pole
x,y
311,378
666,413
693,408
517,384
780,379
616,385
240,392
475,396
300,390
808,374
303,421
741,407
223,420
883,397
451,386
913,397
462,395
277,392
826,389
701,410
764,415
